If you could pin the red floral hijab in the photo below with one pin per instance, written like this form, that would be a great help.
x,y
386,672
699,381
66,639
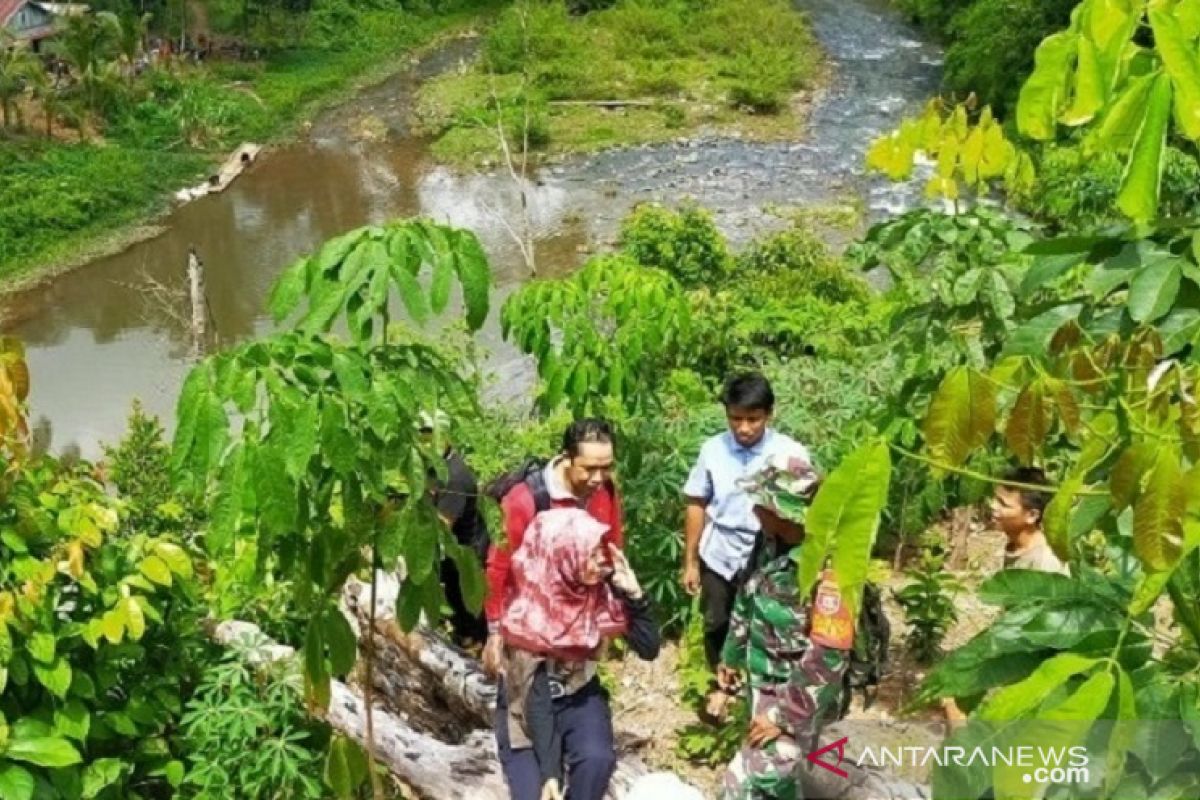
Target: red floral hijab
x,y
551,611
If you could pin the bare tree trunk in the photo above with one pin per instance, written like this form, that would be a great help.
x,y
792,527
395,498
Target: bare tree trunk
x,y
199,302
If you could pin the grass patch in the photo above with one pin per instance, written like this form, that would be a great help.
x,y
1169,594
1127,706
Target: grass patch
x,y
58,199
724,66
49,192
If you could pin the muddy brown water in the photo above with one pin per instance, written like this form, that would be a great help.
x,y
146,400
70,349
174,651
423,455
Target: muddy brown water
x,y
97,337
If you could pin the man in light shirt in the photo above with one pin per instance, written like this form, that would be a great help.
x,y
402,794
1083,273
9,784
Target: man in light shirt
x,y
1017,510
721,528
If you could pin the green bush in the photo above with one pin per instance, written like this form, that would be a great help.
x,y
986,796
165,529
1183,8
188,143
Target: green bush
x,y
1078,191
799,264
249,736
991,44
49,191
762,77
685,244
934,14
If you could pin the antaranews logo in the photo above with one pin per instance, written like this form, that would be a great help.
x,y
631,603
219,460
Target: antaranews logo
x,y
1034,764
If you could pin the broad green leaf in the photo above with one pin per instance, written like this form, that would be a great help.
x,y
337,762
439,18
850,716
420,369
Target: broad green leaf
x,y
1088,85
339,637
1045,269
175,558
411,294
112,625
73,721
470,575
1158,514
99,775
1018,699
41,646
844,519
1044,89
1119,128
305,433
1138,198
288,290
156,570
43,751
1123,732
1029,423
135,620
439,288
1063,725
1015,586
474,276
16,782
187,411
1179,60
346,767
961,416
1153,290
1033,337
1057,520
56,677
316,675
1149,588
1126,476
420,545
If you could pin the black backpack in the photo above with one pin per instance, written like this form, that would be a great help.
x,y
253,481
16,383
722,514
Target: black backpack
x,y
868,658
532,474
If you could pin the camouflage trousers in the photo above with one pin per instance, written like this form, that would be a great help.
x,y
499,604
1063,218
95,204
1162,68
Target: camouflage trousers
x,y
771,772
764,773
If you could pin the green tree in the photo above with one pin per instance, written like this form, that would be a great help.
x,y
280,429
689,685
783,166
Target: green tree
x,y
17,67
1132,89
606,333
310,443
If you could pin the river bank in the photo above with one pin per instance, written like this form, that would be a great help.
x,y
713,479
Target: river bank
x,y
65,203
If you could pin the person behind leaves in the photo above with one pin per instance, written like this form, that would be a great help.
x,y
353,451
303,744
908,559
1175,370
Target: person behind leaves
x,y
1017,510
571,591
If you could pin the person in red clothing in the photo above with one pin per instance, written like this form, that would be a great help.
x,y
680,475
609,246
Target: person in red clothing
x,y
579,476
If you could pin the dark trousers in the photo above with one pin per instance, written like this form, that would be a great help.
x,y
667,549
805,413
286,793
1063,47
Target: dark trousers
x,y
716,602
589,752
464,624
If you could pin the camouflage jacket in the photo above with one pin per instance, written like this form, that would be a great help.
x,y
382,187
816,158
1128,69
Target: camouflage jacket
x,y
793,680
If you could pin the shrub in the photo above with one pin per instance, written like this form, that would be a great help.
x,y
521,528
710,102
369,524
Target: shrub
x,y
1078,191
991,44
251,737
100,637
796,263
762,77
531,33
685,244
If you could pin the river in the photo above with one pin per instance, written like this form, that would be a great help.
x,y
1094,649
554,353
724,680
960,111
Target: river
x,y
98,337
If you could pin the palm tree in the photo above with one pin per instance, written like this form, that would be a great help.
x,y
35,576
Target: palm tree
x,y
85,41
133,30
17,67
50,98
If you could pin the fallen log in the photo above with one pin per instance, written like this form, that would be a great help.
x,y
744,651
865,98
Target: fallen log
x,y
434,769
453,681
612,103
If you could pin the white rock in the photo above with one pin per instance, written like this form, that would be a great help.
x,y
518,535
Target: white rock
x,y
662,786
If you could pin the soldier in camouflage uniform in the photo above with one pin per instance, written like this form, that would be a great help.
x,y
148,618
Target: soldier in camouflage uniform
x,y
795,684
